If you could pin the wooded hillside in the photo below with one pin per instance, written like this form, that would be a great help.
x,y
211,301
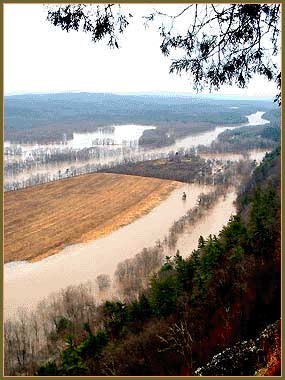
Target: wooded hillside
x,y
226,291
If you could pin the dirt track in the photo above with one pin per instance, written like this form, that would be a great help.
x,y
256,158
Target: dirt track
x,y
40,221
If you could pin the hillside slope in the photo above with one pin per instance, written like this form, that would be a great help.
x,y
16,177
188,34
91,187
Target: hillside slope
x,y
46,117
227,291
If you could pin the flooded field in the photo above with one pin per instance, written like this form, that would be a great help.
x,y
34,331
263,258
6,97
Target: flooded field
x,y
256,154
113,135
110,135
27,283
88,152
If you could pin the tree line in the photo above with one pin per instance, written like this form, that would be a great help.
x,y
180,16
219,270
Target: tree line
x,y
187,166
183,166
232,279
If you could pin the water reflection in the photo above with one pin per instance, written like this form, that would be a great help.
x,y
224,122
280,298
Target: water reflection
x,y
25,284
108,146
125,135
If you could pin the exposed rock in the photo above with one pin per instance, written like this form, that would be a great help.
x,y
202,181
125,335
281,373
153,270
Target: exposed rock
x,y
260,356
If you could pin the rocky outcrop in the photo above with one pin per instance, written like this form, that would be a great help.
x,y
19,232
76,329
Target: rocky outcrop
x,y
260,356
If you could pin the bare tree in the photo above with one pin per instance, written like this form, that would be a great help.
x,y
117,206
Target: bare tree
x,y
103,281
179,339
132,275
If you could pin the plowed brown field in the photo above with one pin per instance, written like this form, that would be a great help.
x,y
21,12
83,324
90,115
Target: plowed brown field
x,y
40,221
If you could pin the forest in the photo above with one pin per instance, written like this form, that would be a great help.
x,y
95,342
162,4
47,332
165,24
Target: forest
x,y
47,117
170,307
186,166
126,160
232,280
248,137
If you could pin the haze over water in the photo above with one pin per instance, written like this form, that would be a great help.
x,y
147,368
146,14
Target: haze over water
x,y
113,152
28,283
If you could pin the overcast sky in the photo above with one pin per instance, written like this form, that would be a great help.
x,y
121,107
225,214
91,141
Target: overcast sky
x,y
41,58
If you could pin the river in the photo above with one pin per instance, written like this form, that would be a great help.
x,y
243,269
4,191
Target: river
x,y
212,223
25,284
125,148
207,138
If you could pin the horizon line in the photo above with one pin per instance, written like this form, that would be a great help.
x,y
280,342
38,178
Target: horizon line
x,y
145,93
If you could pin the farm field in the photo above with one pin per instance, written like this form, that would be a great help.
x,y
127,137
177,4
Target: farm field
x,y
40,221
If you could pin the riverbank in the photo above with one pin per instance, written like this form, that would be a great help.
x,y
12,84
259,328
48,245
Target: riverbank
x,y
211,224
27,283
232,280
112,239
40,221
76,162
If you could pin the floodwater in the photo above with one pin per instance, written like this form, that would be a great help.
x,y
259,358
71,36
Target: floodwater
x,y
207,138
122,134
212,223
118,135
25,284
134,132
255,154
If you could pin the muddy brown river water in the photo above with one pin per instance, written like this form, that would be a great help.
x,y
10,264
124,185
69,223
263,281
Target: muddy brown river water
x,y
25,284
212,223
82,140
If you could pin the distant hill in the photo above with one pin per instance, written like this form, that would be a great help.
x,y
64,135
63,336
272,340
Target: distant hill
x,y
46,117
